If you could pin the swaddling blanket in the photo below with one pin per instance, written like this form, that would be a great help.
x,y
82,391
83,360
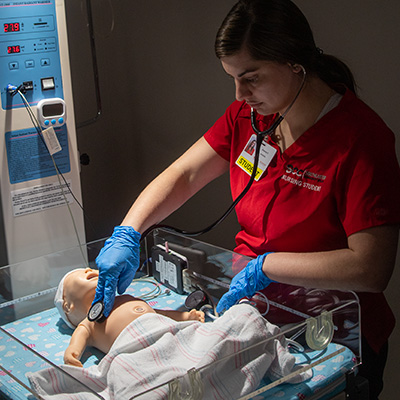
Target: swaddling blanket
x,y
154,349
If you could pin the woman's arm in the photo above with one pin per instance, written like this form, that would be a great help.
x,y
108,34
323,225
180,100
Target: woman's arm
x,y
119,259
366,266
192,171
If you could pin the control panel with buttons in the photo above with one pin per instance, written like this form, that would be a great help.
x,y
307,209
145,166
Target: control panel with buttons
x,y
29,51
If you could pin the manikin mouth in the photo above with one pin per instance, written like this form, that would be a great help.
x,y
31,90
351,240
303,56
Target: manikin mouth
x,y
93,274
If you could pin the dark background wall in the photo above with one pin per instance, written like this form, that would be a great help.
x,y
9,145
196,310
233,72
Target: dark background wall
x,y
162,88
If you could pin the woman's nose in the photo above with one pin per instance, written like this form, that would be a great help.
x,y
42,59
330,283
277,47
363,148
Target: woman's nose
x,y
242,91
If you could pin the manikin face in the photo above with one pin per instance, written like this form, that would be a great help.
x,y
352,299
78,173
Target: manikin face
x,y
267,86
79,290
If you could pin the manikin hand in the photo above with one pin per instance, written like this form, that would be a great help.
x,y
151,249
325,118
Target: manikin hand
x,y
248,281
118,262
72,356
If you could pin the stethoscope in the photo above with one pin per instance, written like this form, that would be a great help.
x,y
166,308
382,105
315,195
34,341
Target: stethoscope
x,y
268,132
96,310
260,137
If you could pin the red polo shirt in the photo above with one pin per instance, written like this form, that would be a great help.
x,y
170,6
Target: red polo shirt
x,y
340,177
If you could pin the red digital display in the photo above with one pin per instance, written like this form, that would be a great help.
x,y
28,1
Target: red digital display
x,y
13,49
11,27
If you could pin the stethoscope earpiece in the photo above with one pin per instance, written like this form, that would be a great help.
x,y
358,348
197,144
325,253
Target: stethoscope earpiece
x,y
297,68
278,120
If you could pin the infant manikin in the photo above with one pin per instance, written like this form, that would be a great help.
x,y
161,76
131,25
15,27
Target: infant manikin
x,y
73,299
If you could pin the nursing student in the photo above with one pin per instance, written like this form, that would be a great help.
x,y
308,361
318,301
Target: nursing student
x,y
325,212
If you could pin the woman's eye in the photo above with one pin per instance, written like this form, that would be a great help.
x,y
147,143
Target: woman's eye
x,y
252,79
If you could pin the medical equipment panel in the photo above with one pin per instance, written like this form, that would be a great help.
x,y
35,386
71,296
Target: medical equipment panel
x,y
319,329
29,49
39,157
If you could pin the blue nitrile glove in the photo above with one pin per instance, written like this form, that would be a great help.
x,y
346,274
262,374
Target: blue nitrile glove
x,y
248,281
118,262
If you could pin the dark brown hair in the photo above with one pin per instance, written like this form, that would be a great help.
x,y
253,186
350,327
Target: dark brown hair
x,y
276,30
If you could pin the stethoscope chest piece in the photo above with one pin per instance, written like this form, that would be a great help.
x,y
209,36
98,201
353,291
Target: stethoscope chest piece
x,y
96,312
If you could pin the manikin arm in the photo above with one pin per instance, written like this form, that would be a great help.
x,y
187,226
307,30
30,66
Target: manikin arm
x,y
77,345
192,315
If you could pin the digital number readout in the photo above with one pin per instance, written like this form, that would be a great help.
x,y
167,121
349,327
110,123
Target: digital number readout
x,y
11,27
13,49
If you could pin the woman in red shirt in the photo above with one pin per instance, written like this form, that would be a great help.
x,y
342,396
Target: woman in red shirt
x,y
324,211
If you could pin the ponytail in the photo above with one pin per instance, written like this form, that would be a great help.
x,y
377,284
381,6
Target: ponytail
x,y
333,72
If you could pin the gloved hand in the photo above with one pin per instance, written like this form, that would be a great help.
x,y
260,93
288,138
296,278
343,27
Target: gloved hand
x,y
248,281
118,262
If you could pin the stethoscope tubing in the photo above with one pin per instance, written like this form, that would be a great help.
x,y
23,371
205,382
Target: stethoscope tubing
x,y
260,137
96,310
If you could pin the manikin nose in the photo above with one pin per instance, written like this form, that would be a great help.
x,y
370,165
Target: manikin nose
x,y
91,273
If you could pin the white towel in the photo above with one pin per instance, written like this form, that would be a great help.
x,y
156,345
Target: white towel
x,y
155,349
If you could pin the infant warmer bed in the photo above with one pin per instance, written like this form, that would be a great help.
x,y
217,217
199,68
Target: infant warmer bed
x,y
311,349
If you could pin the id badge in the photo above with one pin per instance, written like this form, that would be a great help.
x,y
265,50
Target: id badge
x,y
246,159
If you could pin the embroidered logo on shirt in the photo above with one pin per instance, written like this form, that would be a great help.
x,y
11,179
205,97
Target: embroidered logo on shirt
x,y
297,176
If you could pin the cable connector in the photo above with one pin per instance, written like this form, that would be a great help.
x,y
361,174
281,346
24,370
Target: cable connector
x,y
23,88
12,89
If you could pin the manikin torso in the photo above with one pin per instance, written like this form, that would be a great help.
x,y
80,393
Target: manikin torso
x,y
125,310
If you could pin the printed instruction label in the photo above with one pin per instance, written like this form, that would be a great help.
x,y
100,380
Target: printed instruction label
x,y
28,157
39,198
246,159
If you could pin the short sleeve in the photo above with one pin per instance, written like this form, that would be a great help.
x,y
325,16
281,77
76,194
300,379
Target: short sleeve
x,y
219,136
368,184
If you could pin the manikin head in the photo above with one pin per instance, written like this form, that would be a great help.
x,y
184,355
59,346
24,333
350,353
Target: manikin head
x,y
75,294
